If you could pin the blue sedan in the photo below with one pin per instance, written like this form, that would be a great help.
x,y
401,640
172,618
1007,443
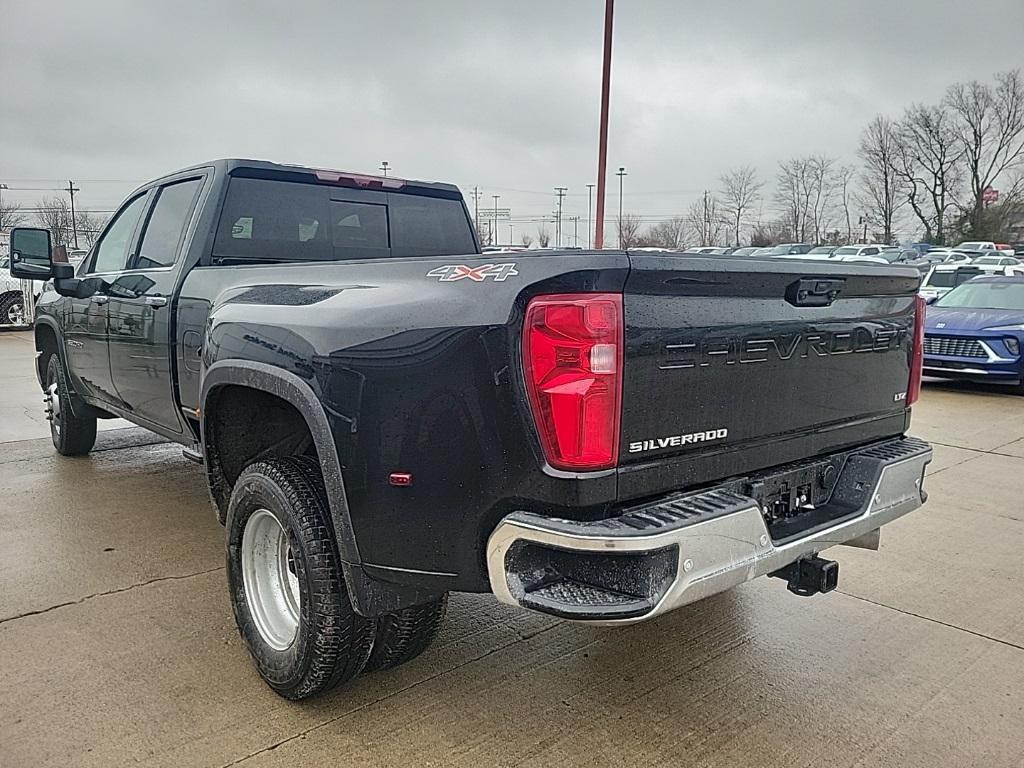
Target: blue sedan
x,y
976,332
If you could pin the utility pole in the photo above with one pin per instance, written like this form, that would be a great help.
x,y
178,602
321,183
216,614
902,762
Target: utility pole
x,y
384,166
576,231
621,173
602,141
476,209
74,225
511,242
2,188
560,191
495,229
590,213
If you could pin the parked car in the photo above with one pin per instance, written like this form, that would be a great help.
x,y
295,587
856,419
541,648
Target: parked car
x,y
976,246
976,332
745,251
942,278
386,415
820,251
1006,249
860,249
997,260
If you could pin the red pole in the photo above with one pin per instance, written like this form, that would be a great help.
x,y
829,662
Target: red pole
x,y
602,150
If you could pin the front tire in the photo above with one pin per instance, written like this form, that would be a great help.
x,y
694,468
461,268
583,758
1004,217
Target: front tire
x,y
287,589
72,430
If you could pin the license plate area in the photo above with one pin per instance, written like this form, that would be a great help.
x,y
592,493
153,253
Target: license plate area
x,y
797,497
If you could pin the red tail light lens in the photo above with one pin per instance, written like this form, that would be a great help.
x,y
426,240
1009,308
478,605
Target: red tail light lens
x,y
572,358
917,355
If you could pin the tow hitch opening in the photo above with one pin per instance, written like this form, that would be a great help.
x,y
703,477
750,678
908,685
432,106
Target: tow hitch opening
x,y
809,575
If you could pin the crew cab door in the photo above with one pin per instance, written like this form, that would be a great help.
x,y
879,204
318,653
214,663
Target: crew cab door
x,y
85,319
140,308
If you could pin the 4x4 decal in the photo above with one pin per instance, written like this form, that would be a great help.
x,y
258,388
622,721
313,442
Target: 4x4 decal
x,y
452,272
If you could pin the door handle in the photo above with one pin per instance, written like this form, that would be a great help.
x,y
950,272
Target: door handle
x,y
100,298
155,301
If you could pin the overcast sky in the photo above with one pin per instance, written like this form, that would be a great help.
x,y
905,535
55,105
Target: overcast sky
x,y
504,95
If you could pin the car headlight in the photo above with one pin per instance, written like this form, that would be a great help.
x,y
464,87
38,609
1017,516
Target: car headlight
x,y
1019,327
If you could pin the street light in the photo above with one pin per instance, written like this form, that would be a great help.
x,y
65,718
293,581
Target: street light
x,y
384,167
621,174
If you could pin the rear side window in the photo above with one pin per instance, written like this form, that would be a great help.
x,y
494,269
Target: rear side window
x,y
292,221
167,224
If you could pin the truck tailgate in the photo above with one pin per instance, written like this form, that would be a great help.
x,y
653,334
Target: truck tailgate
x,y
734,365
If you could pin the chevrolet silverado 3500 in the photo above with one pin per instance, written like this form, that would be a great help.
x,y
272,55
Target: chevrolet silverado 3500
x,y
386,415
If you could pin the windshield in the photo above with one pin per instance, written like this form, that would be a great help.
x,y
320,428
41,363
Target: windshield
x,y
821,249
848,250
994,295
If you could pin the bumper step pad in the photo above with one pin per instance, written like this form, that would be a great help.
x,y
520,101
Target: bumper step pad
x,y
663,554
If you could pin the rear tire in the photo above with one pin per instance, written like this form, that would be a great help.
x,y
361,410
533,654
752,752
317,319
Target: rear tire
x,y
73,430
287,590
405,634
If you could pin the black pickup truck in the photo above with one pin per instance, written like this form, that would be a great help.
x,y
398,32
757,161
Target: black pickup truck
x,y
386,415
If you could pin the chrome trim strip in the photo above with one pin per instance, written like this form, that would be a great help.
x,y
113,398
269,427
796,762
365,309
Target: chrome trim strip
x,y
723,552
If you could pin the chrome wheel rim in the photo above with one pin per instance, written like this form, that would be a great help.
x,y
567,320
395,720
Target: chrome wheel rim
x,y
16,314
271,584
53,407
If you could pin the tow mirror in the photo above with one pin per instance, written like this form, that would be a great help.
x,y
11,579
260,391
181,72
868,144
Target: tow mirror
x,y
31,254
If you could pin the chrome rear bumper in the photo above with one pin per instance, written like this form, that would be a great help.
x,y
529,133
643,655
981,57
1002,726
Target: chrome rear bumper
x,y
673,553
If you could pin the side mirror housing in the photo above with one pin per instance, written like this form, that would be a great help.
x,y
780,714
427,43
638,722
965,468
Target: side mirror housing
x,y
931,299
31,254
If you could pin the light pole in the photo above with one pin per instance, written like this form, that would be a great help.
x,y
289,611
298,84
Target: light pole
x,y
74,224
560,191
385,167
495,230
621,173
2,188
590,212
602,137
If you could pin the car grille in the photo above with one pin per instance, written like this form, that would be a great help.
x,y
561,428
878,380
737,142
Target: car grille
x,y
953,346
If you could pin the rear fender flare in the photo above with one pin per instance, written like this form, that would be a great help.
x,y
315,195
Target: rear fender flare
x,y
292,389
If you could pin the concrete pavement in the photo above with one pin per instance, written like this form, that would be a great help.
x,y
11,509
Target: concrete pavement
x,y
117,644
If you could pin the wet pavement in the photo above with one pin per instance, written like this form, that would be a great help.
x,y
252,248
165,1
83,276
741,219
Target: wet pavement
x,y
117,644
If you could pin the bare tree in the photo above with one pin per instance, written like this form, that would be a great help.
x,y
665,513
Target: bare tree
x,y
741,190
54,214
543,236
705,220
11,216
666,234
770,233
821,193
793,195
929,154
989,122
629,230
526,240
89,226
883,189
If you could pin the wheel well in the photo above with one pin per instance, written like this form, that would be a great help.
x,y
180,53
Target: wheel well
x,y
46,342
242,425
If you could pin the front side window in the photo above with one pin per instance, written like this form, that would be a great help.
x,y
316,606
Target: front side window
x,y
166,225
112,252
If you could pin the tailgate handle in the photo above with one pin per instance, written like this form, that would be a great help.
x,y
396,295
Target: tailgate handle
x,y
814,291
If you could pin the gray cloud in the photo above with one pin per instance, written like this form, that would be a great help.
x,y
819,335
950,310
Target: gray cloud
x,y
503,95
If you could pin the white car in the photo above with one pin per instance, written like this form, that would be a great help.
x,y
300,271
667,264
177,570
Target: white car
x,y
12,301
857,249
942,278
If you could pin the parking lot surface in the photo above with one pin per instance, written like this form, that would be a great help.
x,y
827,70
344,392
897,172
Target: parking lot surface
x,y
117,644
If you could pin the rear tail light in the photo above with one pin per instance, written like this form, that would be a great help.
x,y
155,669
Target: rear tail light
x,y
572,359
917,352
